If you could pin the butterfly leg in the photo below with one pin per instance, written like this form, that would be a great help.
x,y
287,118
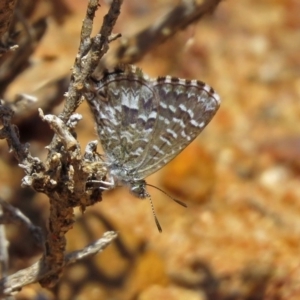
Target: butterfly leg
x,y
105,185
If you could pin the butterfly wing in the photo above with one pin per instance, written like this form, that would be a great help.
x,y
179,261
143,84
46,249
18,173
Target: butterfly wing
x,y
125,111
185,108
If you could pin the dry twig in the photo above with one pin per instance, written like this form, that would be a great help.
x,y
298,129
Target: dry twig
x,y
6,14
132,49
37,271
12,215
3,248
64,175
89,54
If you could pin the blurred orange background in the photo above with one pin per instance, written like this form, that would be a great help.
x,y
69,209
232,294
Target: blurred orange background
x,y
239,238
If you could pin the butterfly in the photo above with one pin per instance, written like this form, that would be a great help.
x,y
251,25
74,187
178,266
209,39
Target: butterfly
x,y
144,122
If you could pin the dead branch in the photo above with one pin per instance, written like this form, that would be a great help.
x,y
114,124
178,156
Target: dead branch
x,y
61,212
14,63
6,14
23,24
38,271
3,248
45,97
12,215
64,175
63,179
89,54
132,49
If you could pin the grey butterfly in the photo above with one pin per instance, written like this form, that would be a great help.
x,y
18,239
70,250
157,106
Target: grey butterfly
x,y
143,123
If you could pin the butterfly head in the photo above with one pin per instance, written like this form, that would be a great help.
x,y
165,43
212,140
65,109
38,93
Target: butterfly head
x,y
121,176
138,189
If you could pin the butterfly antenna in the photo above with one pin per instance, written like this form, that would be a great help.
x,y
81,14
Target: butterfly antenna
x,y
176,200
154,214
